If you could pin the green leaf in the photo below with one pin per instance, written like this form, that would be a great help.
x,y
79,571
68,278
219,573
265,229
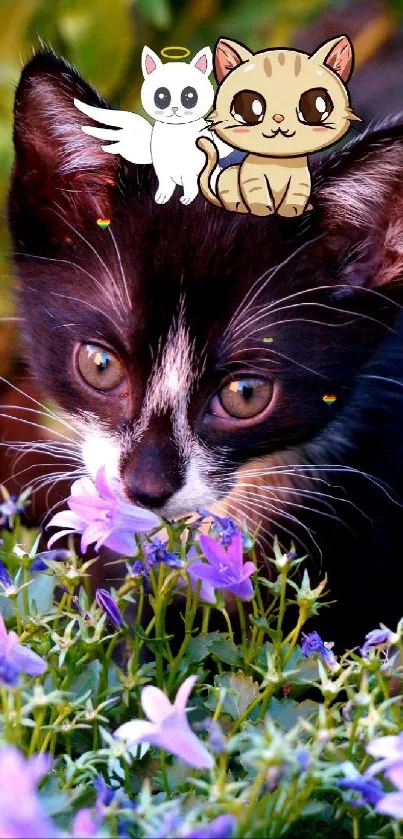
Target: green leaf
x,y
200,646
88,680
156,12
239,691
226,651
100,38
287,712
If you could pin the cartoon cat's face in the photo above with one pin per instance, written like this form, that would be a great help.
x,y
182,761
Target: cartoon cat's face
x,y
177,92
282,103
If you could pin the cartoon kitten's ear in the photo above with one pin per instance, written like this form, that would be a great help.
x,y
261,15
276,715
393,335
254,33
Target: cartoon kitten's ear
x,y
150,61
227,55
203,61
338,54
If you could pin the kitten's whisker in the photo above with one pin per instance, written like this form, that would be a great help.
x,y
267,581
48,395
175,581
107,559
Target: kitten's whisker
x,y
83,238
73,265
90,306
253,502
121,267
46,414
269,310
266,277
33,424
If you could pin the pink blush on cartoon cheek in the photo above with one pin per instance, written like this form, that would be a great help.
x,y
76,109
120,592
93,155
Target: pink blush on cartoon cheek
x,y
241,130
321,128
158,113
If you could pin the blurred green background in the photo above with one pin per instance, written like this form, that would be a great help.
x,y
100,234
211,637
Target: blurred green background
x,y
104,38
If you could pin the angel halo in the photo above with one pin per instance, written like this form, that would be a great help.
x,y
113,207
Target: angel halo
x,y
177,95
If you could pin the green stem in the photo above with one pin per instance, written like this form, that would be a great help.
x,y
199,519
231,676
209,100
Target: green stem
x,y
242,622
228,622
265,696
164,774
280,617
292,638
206,618
192,602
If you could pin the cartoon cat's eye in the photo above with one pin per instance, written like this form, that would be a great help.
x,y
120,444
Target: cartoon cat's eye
x,y
248,107
242,398
99,367
162,97
314,107
189,97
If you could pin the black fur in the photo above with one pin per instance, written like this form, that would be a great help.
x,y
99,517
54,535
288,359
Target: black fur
x,y
343,335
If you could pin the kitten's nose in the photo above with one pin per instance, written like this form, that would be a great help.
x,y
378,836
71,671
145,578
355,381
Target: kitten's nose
x,y
175,109
277,117
152,475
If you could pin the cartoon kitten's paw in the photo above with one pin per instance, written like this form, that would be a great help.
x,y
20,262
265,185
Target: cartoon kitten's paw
x,y
290,210
161,197
261,209
187,199
164,192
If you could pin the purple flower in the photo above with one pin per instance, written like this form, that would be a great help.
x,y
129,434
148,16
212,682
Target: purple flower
x,y
370,789
390,751
21,815
223,528
105,793
16,659
10,507
110,607
224,570
156,552
101,514
312,644
168,727
5,580
377,638
220,828
40,563
84,825
138,569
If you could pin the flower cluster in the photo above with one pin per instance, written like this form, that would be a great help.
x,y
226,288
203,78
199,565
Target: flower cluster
x,y
156,708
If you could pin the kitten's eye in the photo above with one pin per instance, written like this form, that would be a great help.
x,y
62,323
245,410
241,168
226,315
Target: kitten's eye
x,y
315,105
99,367
242,398
189,97
248,107
162,97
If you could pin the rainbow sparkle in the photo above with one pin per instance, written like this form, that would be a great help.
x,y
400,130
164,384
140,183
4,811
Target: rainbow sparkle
x,y
329,398
103,223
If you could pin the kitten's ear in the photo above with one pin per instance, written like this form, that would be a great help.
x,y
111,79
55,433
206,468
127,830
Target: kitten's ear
x,y
358,194
203,61
227,55
150,61
338,54
58,169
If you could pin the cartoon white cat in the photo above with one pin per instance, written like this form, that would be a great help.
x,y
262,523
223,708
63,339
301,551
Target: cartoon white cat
x,y
176,95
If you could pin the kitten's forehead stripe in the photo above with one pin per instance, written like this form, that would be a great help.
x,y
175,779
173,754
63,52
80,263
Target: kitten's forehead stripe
x,y
173,372
281,58
267,67
297,65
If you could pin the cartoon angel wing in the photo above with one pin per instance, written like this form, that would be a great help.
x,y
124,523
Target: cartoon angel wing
x,y
130,134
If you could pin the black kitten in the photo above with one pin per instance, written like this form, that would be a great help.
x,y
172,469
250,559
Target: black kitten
x,y
198,352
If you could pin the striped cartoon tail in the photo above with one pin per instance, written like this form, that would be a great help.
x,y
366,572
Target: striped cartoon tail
x,y
207,146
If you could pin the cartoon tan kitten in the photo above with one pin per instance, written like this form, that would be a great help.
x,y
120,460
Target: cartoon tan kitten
x,y
278,105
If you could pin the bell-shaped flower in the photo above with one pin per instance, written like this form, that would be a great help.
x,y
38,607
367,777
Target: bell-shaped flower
x,y
167,726
101,514
16,659
224,569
